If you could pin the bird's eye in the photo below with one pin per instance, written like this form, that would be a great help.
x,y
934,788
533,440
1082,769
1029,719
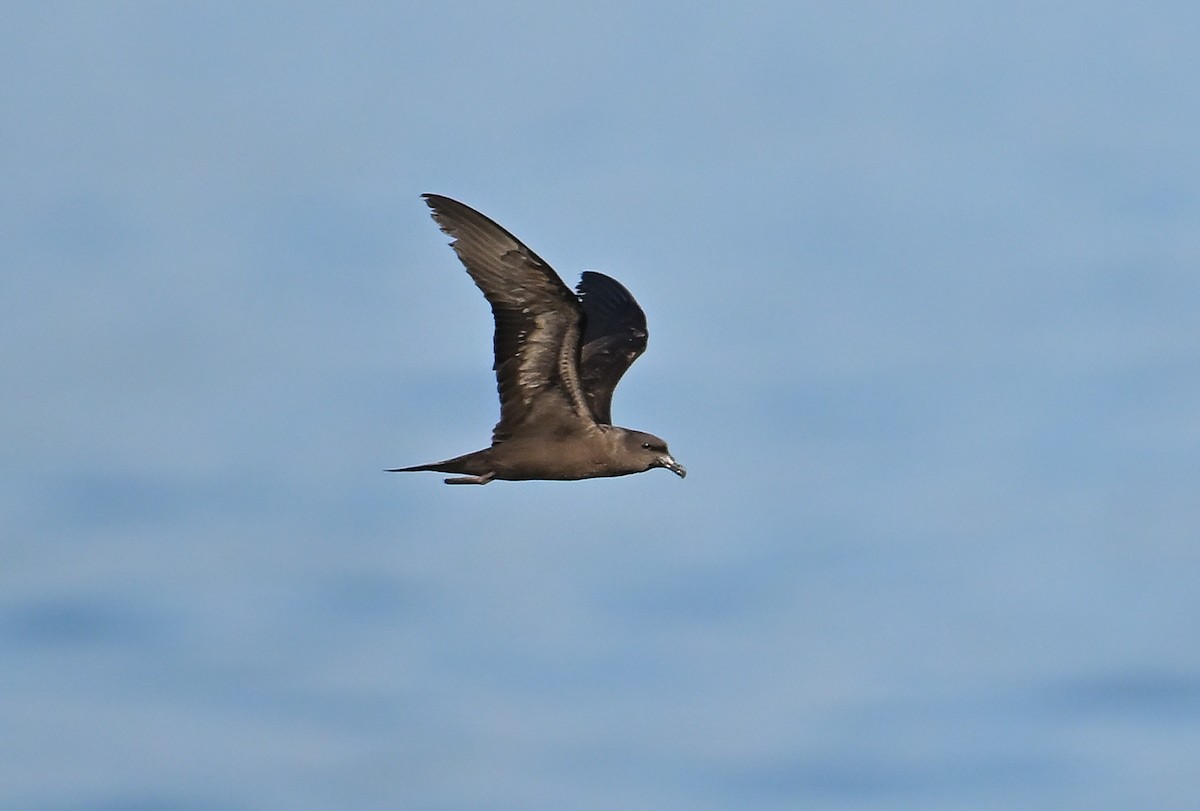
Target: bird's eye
x,y
646,445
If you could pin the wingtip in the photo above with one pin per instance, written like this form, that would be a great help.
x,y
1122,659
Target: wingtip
x,y
436,201
442,207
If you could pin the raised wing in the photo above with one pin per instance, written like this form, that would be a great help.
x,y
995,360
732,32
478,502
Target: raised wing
x,y
614,336
538,323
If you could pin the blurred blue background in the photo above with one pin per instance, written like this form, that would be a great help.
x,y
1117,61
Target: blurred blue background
x,y
922,288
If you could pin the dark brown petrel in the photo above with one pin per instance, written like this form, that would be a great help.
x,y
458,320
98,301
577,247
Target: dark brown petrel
x,y
559,356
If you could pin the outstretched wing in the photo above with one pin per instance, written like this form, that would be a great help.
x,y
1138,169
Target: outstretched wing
x,y
538,323
613,338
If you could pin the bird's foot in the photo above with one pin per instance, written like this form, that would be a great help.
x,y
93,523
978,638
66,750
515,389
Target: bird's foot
x,y
484,479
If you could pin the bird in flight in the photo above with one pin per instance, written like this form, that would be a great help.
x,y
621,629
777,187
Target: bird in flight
x,y
559,355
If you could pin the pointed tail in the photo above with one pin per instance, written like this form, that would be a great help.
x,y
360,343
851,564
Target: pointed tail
x,y
416,468
475,464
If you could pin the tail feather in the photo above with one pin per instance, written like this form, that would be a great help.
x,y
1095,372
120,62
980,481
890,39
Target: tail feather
x,y
448,466
417,468
470,463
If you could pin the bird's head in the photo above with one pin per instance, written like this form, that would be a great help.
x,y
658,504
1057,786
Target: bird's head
x,y
650,452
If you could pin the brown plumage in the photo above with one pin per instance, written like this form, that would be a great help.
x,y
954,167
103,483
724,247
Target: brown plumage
x,y
559,356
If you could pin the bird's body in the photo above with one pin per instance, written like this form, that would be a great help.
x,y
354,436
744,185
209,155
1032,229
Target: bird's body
x,y
559,355
600,451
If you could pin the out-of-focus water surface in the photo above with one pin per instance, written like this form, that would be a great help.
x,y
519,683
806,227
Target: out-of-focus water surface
x,y
922,295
